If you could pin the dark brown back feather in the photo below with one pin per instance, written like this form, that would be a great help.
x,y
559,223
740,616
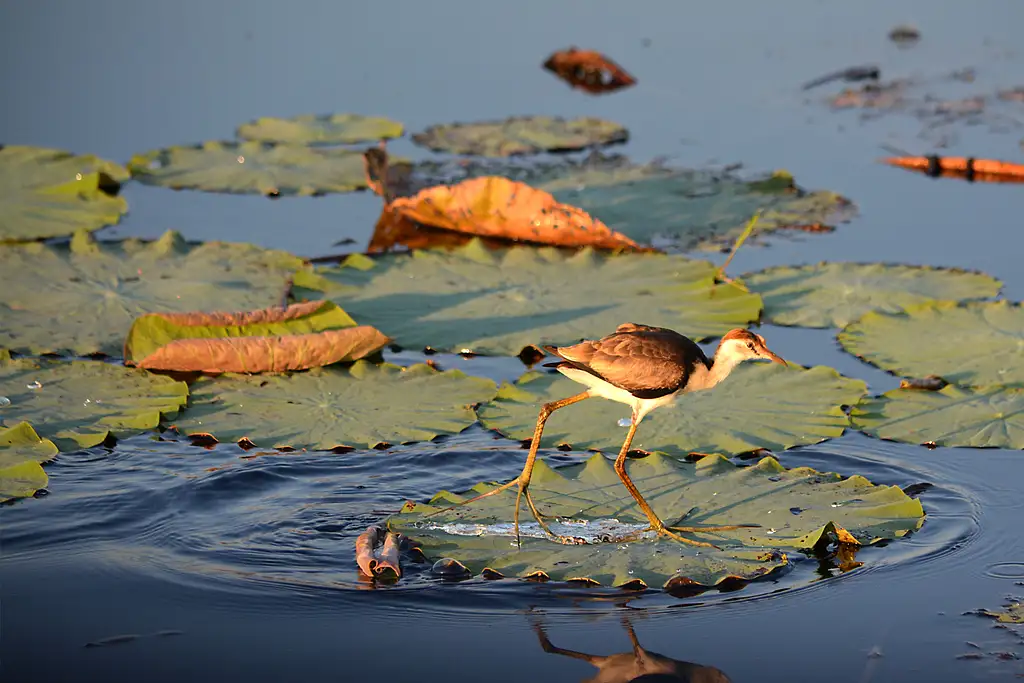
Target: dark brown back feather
x,y
646,361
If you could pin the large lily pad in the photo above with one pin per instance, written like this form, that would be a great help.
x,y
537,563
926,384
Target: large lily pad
x,y
81,404
797,509
22,453
325,129
757,406
691,209
82,298
521,135
325,408
987,417
49,193
972,344
252,168
835,294
500,301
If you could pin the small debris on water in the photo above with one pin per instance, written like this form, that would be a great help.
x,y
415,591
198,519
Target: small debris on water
x,y
624,422
34,385
4,401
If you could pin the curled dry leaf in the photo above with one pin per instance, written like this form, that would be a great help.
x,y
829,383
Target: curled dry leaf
x,y
969,168
277,339
497,207
373,562
589,71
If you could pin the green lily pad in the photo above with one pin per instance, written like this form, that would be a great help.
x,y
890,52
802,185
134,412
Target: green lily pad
x,y
22,453
1012,614
82,298
691,209
835,294
971,344
49,193
326,129
252,168
81,404
591,496
521,135
757,406
987,417
327,408
500,301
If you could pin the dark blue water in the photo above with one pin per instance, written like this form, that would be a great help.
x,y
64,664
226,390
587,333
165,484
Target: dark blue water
x,y
223,563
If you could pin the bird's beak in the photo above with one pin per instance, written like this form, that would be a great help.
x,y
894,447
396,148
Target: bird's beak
x,y
773,357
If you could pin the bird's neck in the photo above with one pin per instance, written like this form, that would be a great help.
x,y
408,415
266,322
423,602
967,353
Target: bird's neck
x,y
721,366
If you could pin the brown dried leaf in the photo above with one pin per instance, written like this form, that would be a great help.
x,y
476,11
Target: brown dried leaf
x,y
267,354
497,207
589,71
376,563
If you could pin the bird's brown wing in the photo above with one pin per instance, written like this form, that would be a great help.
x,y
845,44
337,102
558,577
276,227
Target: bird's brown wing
x,y
647,362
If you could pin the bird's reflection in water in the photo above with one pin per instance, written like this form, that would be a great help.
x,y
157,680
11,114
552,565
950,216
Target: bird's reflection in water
x,y
636,665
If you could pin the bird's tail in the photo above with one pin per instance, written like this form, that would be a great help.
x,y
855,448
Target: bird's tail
x,y
553,350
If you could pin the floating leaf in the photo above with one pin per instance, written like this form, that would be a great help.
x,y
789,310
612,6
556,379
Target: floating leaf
x,y
588,70
326,408
22,453
298,337
591,497
82,298
988,417
1012,614
693,209
968,168
325,129
835,294
521,135
500,301
251,168
49,193
81,404
757,406
972,344
501,208
374,561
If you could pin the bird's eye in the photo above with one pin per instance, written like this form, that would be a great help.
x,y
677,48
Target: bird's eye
x,y
750,345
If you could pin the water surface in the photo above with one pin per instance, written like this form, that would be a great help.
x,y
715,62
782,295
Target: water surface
x,y
231,564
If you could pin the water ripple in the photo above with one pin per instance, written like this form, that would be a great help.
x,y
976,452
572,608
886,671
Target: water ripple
x,y
262,528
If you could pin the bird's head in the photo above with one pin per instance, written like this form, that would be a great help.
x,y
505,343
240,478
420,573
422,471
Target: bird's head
x,y
739,345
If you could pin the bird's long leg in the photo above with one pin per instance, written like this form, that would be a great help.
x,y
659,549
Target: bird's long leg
x,y
523,480
524,477
656,523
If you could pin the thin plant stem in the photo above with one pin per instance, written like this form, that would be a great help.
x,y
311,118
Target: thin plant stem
x,y
747,231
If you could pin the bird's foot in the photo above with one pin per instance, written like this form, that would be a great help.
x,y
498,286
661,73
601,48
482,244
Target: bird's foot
x,y
539,516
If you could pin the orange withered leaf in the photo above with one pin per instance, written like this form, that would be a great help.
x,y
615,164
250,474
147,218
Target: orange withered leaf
x,y
373,562
278,339
977,170
589,71
496,207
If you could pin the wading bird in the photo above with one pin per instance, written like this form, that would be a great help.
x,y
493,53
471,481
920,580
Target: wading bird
x,y
644,367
